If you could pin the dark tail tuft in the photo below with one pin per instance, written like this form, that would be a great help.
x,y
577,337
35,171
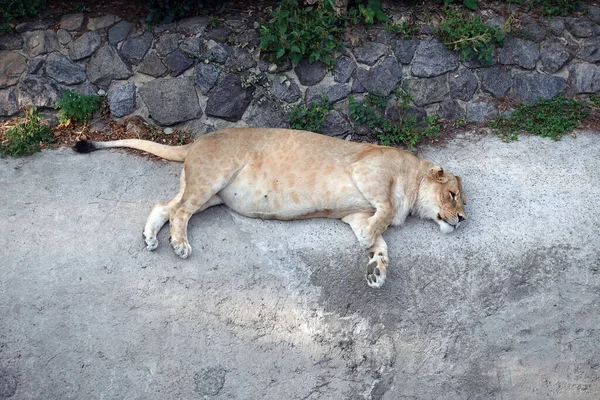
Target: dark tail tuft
x,y
84,146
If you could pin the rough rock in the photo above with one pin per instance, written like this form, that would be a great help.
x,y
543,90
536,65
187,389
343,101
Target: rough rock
x,y
369,53
344,68
229,99
102,22
336,124
405,50
207,76
450,110
429,90
120,31
134,49
35,65
433,59
85,88
267,114
475,62
463,84
41,42
590,50
334,93
530,29
30,26
529,87
594,13
381,79
521,52
247,39
193,25
64,37
581,28
480,111
357,87
554,56
556,26
585,78
178,62
171,100
12,65
11,41
217,53
495,80
310,74
283,65
192,46
8,102
167,43
219,34
396,113
284,88
106,65
85,46
39,91
72,22
121,98
152,65
240,60
63,70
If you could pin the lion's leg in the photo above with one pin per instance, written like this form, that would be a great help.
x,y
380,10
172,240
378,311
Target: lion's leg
x,y
196,197
161,211
160,215
378,194
378,252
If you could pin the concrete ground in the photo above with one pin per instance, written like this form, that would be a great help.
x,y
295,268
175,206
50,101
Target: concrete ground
x,y
507,307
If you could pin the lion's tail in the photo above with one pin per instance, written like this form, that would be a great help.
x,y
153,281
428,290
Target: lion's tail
x,y
173,153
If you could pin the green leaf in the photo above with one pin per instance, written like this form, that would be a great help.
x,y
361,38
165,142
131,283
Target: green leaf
x,y
472,4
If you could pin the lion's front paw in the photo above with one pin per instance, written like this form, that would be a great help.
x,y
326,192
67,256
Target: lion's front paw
x,y
182,248
377,268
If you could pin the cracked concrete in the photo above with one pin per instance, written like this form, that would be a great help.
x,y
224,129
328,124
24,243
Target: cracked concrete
x,y
507,307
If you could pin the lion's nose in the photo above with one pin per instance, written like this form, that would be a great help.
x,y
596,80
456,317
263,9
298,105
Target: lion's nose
x,y
461,218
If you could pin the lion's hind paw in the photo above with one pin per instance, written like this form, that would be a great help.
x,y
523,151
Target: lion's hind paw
x,y
377,269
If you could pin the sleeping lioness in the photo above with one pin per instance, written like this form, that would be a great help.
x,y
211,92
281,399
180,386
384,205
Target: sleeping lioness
x,y
287,174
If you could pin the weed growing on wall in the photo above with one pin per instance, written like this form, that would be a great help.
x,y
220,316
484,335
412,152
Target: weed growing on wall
x,y
371,112
469,35
75,107
310,118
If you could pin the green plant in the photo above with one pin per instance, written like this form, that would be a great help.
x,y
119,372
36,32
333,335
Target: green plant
x,y
470,36
403,29
557,7
407,130
25,137
296,32
75,107
549,118
165,11
471,4
372,11
310,118
17,9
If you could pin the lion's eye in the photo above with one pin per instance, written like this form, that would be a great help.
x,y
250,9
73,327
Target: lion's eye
x,y
452,195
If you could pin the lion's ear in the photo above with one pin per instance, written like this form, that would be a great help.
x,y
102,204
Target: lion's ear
x,y
436,174
460,189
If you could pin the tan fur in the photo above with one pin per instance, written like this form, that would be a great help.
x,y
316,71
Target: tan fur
x,y
286,174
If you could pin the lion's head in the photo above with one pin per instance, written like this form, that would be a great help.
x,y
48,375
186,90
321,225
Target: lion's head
x,y
442,199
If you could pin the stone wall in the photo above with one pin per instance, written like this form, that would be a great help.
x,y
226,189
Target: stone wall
x,y
192,76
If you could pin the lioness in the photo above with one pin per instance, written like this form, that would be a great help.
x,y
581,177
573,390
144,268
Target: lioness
x,y
287,174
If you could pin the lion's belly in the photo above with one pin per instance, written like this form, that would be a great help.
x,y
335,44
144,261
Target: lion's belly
x,y
285,196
